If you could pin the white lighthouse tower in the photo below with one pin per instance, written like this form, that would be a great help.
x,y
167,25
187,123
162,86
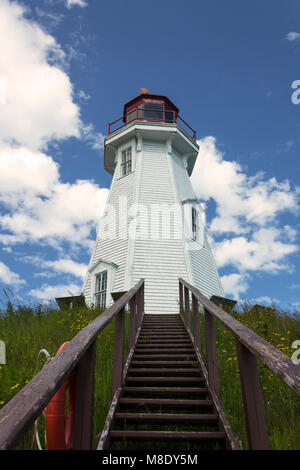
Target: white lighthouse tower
x,y
152,226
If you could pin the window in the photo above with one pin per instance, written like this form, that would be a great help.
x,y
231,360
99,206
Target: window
x,y
100,289
153,111
194,223
126,161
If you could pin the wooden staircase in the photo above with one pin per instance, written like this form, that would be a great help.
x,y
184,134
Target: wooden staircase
x,y
165,402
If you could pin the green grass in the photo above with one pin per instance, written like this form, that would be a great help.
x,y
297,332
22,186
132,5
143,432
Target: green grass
x,y
27,330
282,405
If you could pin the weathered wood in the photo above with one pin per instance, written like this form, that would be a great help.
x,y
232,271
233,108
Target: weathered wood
x,y
187,307
118,351
20,412
84,400
168,435
132,321
211,350
252,399
232,440
196,323
180,298
103,439
274,359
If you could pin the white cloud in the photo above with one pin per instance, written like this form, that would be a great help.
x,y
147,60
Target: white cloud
x,y
245,229
80,3
9,277
265,250
39,108
40,207
240,200
83,97
62,265
292,36
48,292
39,102
67,266
234,284
94,138
265,299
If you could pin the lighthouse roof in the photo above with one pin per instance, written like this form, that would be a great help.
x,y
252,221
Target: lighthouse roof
x,y
146,96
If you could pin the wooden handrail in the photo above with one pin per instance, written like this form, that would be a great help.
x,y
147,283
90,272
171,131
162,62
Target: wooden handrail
x,y
21,411
250,347
272,357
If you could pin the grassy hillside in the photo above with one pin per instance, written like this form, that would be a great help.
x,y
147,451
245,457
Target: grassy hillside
x,y
26,330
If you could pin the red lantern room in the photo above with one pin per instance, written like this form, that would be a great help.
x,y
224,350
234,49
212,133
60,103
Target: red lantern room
x,y
148,107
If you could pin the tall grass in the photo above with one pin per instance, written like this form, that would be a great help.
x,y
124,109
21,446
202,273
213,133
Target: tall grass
x,y
27,330
282,405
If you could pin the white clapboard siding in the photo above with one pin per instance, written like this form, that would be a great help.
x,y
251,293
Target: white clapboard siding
x,y
159,261
202,263
114,250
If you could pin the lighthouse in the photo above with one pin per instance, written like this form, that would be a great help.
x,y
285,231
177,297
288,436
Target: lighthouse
x,y
153,223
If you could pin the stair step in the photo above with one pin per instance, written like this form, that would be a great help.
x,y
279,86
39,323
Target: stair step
x,y
165,418
163,356
169,370
166,402
170,364
169,380
158,351
154,391
162,335
168,435
159,341
163,345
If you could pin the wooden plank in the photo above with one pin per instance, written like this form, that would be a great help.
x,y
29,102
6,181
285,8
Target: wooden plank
x,y
84,400
20,412
278,362
168,435
103,440
233,441
118,351
167,402
154,418
253,400
211,350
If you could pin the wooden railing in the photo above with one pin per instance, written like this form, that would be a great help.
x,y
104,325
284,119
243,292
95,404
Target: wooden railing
x,y
250,347
80,356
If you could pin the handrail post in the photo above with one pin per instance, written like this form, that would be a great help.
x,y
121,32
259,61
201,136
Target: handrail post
x,y
187,307
118,350
211,350
180,298
84,400
196,324
140,306
252,399
132,321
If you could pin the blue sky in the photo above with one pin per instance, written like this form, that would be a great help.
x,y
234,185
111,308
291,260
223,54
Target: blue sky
x,y
66,69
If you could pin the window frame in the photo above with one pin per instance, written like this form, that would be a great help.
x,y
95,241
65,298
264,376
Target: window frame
x,y
126,163
194,223
100,293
